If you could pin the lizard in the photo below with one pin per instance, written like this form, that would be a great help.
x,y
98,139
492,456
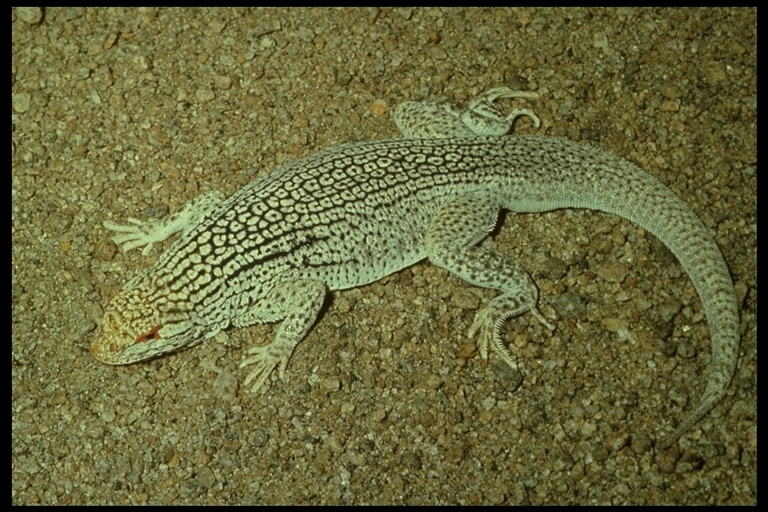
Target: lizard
x,y
352,214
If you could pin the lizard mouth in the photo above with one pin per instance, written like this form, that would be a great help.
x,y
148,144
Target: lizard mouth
x,y
112,341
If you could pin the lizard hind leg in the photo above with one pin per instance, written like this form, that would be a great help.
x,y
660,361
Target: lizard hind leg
x,y
441,120
453,231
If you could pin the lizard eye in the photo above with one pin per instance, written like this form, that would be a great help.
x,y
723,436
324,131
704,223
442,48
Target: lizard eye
x,y
151,335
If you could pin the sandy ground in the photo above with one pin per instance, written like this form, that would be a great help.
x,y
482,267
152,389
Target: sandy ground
x,y
125,112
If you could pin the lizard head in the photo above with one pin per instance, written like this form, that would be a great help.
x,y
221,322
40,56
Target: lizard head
x,y
138,325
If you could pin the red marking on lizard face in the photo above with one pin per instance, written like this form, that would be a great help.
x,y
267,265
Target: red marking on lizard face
x,y
151,335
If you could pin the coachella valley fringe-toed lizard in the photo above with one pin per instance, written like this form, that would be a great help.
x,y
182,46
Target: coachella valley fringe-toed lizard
x,y
352,214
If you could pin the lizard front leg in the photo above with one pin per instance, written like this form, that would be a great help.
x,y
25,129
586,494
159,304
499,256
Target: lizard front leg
x,y
297,303
145,234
